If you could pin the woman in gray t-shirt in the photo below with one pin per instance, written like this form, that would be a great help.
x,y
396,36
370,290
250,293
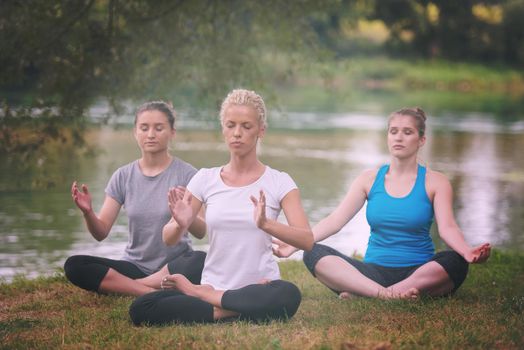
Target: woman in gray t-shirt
x,y
140,187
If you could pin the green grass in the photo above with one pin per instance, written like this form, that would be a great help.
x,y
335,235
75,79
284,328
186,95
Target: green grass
x,y
386,84
486,312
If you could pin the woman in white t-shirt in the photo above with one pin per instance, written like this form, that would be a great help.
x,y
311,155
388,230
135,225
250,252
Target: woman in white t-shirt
x,y
242,201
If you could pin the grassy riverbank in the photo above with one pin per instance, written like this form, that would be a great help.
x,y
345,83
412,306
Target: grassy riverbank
x,y
487,312
386,84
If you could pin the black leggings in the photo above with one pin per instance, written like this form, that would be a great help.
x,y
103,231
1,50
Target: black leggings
x,y
87,272
256,302
454,265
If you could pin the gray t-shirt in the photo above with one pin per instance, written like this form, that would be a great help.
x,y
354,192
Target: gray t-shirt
x,y
144,199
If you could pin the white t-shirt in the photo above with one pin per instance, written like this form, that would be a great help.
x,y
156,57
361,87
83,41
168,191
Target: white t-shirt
x,y
239,252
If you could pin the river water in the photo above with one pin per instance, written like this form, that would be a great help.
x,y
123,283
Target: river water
x,y
323,153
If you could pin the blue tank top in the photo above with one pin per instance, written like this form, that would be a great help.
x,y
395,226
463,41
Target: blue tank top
x,y
399,226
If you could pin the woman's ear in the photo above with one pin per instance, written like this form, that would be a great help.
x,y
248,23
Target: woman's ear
x,y
262,132
422,141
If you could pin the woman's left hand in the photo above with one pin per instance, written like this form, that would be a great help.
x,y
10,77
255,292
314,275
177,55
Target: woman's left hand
x,y
260,210
180,206
478,254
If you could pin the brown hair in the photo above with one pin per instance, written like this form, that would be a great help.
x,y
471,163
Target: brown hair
x,y
161,106
417,113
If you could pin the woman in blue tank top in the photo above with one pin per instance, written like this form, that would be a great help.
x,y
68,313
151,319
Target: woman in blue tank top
x,y
402,198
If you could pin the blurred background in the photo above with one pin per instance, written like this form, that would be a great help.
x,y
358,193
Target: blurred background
x,y
72,73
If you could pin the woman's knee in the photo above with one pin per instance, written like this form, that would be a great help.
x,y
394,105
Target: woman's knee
x,y
312,257
190,264
287,298
74,268
455,265
83,272
138,310
261,302
169,306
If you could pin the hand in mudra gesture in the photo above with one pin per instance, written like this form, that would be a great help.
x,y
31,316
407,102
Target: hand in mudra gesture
x,y
81,198
478,254
180,206
282,249
260,209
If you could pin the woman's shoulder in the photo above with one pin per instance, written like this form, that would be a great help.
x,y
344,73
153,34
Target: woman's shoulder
x,y
278,176
275,172
208,172
126,169
435,176
369,175
181,164
366,179
436,180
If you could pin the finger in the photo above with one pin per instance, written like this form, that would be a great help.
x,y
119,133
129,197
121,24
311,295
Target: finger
x,y
84,189
73,186
262,197
189,199
171,197
276,252
179,193
254,200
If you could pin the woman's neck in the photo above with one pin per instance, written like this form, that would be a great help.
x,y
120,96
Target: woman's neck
x,y
153,164
242,165
403,166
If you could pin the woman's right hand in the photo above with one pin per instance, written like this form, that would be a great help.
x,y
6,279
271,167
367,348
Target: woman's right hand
x,y
180,207
82,198
282,249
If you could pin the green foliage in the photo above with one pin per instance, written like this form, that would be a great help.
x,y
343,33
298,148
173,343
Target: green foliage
x,y
71,53
59,58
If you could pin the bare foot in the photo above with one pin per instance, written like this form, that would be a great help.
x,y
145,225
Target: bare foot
x,y
182,284
219,313
345,296
264,281
412,294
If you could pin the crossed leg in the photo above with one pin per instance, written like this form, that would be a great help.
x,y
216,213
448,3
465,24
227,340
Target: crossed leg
x,y
203,292
430,278
339,275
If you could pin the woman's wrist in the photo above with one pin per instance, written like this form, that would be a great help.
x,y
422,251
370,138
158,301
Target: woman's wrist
x,y
88,212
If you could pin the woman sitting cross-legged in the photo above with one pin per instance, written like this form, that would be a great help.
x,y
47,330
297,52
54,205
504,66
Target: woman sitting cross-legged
x,y
402,199
242,201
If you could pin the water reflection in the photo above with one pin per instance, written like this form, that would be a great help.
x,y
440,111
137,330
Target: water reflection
x,y
39,229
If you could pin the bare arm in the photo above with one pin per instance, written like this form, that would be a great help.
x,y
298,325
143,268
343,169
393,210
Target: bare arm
x,y
347,209
448,229
297,232
98,225
184,211
198,228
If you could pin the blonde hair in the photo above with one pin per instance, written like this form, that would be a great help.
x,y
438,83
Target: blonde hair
x,y
416,113
242,97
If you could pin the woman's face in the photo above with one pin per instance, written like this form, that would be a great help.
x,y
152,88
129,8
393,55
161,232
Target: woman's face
x,y
153,132
241,129
403,137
